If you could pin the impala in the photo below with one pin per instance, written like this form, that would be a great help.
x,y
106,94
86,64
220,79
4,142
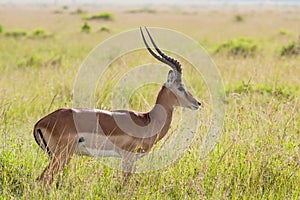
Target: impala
x,y
126,134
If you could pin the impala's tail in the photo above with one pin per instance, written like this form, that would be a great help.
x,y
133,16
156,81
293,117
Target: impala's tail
x,y
40,139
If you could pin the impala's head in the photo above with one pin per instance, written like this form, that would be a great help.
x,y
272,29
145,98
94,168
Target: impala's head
x,y
174,82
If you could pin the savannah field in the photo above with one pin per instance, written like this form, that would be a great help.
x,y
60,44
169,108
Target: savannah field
x,y
256,51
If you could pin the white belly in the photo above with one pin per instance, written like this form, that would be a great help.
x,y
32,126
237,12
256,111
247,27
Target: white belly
x,y
82,150
96,145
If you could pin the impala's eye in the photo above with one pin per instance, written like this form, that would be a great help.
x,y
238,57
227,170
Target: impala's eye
x,y
181,89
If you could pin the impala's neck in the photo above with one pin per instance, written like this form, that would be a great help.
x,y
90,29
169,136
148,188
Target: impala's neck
x,y
163,110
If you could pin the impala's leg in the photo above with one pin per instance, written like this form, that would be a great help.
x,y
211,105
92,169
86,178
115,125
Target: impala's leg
x,y
58,161
128,167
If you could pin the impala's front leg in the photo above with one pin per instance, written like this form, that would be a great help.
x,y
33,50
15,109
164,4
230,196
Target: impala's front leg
x,y
128,166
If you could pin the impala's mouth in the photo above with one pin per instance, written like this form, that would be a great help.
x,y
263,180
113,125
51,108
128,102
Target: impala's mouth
x,y
195,107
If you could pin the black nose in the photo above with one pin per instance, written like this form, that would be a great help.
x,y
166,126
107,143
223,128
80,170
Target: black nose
x,y
199,104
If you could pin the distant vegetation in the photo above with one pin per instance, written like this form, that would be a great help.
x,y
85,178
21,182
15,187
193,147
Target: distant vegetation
x,y
275,90
239,18
37,61
40,33
78,11
104,29
285,32
108,16
65,7
86,28
240,46
37,33
291,49
16,33
1,28
144,10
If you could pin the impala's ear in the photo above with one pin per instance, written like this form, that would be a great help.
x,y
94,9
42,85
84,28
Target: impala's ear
x,y
171,78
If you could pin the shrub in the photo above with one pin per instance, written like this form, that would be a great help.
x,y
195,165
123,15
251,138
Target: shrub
x,y
33,61
239,18
86,27
78,11
291,49
16,33
40,33
274,90
102,16
239,46
285,32
104,29
144,10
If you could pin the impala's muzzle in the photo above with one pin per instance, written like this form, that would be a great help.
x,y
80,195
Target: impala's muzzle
x,y
196,106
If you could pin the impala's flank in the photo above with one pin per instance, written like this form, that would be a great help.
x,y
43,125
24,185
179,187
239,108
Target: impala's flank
x,y
121,133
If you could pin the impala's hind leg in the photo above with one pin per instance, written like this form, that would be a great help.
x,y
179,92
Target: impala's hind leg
x,y
58,161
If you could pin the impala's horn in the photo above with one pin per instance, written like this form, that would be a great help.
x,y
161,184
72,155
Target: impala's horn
x,y
173,63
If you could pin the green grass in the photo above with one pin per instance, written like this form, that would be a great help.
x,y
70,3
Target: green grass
x,y
291,49
107,16
257,157
240,46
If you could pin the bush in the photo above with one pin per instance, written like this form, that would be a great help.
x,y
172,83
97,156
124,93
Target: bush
x,y
78,11
16,33
291,49
144,10
33,61
102,16
86,27
239,46
285,32
104,29
40,33
239,18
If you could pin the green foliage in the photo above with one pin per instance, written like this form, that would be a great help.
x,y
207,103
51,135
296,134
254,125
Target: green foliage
x,y
238,18
285,32
86,27
1,28
65,7
41,33
33,61
291,49
16,33
37,61
104,29
37,33
271,90
78,11
144,10
240,46
107,16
